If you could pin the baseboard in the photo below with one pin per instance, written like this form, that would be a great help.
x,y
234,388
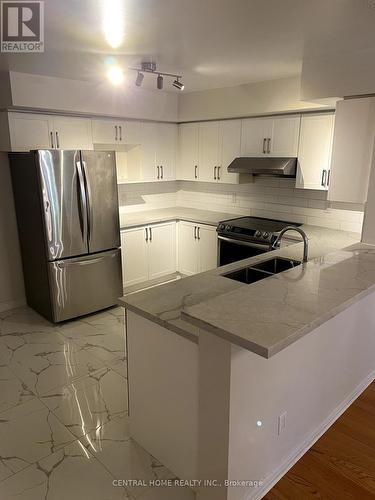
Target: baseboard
x,y
288,463
11,304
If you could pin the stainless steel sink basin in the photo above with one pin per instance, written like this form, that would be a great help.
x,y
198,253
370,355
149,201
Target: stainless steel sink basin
x,y
277,265
262,270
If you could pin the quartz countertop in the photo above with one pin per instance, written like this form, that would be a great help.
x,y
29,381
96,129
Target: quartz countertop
x,y
134,219
266,316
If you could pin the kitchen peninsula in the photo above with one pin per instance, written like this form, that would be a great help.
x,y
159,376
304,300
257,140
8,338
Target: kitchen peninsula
x,y
238,381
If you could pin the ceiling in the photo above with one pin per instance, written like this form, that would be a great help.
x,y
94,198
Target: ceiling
x,y
212,43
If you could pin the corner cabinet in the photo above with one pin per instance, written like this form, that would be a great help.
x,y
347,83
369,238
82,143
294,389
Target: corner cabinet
x,y
37,131
197,248
148,252
277,136
352,151
314,153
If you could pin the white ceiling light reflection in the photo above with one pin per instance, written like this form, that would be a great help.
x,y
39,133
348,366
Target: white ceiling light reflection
x,y
115,75
113,22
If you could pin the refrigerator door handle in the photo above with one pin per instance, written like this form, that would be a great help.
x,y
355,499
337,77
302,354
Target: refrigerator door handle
x,y
88,200
83,214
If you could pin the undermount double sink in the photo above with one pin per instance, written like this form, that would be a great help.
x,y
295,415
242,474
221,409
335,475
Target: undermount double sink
x,y
263,270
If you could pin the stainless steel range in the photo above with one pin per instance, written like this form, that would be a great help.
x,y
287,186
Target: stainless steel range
x,y
246,237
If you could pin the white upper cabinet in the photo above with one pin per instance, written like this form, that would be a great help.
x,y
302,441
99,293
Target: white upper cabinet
x,y
188,151
34,131
255,133
285,136
117,132
314,153
230,148
30,131
166,146
270,136
148,152
158,146
208,151
352,150
72,133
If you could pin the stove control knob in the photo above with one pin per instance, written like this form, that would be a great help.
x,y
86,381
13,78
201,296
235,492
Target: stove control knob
x,y
221,226
228,227
258,234
265,235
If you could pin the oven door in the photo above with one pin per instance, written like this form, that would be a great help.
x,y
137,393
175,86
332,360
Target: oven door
x,y
231,250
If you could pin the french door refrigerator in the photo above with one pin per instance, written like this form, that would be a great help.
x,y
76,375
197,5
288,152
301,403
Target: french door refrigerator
x,y
68,223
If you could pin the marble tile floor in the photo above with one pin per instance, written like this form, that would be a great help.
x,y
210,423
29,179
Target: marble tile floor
x,y
64,430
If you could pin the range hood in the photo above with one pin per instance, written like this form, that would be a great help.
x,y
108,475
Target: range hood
x,y
276,167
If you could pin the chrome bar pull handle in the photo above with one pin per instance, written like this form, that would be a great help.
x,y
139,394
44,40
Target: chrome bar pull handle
x,y
218,173
196,172
158,172
215,173
328,177
324,173
150,233
52,145
199,233
120,127
264,145
116,135
269,145
146,231
162,171
57,140
195,232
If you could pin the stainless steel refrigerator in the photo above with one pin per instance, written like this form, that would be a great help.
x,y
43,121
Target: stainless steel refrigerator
x,y
68,223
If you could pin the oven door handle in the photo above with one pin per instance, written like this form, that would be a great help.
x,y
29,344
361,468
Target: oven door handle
x,y
244,243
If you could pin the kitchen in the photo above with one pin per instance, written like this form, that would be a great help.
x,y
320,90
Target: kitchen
x,y
180,198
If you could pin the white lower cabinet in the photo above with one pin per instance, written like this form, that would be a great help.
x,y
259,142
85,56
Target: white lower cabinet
x,y
197,248
148,252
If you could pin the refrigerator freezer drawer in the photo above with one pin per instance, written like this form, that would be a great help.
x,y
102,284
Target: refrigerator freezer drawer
x,y
85,284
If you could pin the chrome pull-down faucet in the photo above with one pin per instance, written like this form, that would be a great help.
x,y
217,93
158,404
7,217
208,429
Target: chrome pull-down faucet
x,y
301,232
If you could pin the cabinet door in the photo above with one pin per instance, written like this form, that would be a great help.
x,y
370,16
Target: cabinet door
x,y
72,133
131,132
285,136
105,132
29,131
166,150
207,248
188,249
148,155
162,250
314,152
134,252
208,151
352,151
230,148
188,150
254,136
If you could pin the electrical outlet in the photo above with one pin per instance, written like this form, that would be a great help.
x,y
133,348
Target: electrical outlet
x,y
281,423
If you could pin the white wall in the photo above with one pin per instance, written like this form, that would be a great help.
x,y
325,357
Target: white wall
x,y
60,94
274,96
12,292
338,75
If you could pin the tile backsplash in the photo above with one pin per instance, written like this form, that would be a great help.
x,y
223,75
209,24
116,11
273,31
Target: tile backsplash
x,y
265,197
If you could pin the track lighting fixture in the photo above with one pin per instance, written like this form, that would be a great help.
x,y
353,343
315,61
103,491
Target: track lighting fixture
x,y
150,67
139,79
159,82
178,84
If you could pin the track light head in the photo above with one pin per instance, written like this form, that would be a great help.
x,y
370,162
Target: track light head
x,y
139,79
179,85
159,82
